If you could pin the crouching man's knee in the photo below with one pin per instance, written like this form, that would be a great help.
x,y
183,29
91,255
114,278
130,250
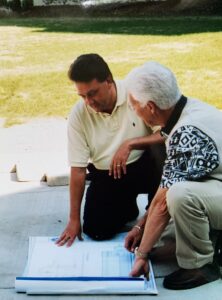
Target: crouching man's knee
x,y
177,198
98,232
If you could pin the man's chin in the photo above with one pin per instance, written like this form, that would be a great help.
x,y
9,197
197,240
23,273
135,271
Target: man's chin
x,y
149,124
99,109
96,109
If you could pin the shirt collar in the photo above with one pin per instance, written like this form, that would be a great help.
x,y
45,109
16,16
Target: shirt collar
x,y
176,113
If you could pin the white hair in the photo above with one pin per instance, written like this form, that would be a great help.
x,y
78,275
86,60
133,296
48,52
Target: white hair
x,y
153,82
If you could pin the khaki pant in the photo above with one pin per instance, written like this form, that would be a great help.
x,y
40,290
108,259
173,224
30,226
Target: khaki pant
x,y
195,208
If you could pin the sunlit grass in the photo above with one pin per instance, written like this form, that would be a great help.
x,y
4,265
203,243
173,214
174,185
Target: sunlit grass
x,y
35,56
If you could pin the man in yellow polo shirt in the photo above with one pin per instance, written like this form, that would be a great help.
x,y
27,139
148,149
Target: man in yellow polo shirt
x,y
106,136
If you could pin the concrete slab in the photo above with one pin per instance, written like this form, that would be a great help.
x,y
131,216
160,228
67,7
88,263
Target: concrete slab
x,y
37,135
32,209
7,162
24,214
57,178
27,171
42,166
9,184
58,173
37,147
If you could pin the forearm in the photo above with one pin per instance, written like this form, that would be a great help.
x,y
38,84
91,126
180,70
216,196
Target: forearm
x,y
157,219
77,186
142,221
141,143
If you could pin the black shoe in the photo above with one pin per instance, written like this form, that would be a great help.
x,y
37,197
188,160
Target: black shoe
x,y
183,279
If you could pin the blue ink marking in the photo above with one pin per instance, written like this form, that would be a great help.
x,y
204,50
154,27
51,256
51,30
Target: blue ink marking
x,y
54,239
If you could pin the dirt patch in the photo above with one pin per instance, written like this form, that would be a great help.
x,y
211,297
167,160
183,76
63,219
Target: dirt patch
x,y
176,46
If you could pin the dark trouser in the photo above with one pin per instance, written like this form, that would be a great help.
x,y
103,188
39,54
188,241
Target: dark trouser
x,y
111,203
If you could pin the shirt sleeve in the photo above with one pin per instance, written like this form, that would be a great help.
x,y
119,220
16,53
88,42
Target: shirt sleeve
x,y
78,149
191,155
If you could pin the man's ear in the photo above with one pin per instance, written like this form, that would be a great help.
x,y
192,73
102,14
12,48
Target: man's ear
x,y
109,79
152,107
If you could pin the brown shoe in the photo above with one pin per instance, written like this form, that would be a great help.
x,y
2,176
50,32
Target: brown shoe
x,y
187,279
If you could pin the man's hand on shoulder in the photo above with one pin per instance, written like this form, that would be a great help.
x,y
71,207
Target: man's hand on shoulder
x,y
118,164
72,230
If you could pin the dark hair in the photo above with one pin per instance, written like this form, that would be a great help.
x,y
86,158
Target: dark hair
x,y
88,67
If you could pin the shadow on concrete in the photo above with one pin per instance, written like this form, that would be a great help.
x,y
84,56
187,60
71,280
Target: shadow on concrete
x,y
168,26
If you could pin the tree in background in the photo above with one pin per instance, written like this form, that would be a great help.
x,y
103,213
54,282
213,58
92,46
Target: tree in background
x,y
27,4
15,5
3,3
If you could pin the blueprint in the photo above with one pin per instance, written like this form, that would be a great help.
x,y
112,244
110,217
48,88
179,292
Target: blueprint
x,y
86,267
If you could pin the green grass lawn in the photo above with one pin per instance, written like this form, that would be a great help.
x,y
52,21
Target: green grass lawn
x,y
36,54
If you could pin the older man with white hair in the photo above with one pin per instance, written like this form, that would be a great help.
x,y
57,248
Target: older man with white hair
x,y
190,191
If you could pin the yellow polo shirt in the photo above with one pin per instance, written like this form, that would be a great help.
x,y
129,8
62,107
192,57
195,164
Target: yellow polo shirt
x,y
95,137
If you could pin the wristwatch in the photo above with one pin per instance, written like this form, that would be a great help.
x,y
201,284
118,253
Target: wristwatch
x,y
140,254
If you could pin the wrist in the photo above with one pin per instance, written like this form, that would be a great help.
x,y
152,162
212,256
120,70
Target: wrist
x,y
140,255
131,145
139,228
73,219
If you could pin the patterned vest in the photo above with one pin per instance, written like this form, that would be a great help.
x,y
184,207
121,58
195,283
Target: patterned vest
x,y
206,118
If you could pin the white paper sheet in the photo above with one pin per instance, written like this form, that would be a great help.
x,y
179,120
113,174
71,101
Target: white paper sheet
x,y
86,267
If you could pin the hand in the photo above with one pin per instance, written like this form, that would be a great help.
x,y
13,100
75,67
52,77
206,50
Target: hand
x,y
118,164
140,267
133,239
72,230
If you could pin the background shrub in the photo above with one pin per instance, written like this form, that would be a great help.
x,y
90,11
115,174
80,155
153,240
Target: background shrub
x,y
27,4
15,5
3,3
